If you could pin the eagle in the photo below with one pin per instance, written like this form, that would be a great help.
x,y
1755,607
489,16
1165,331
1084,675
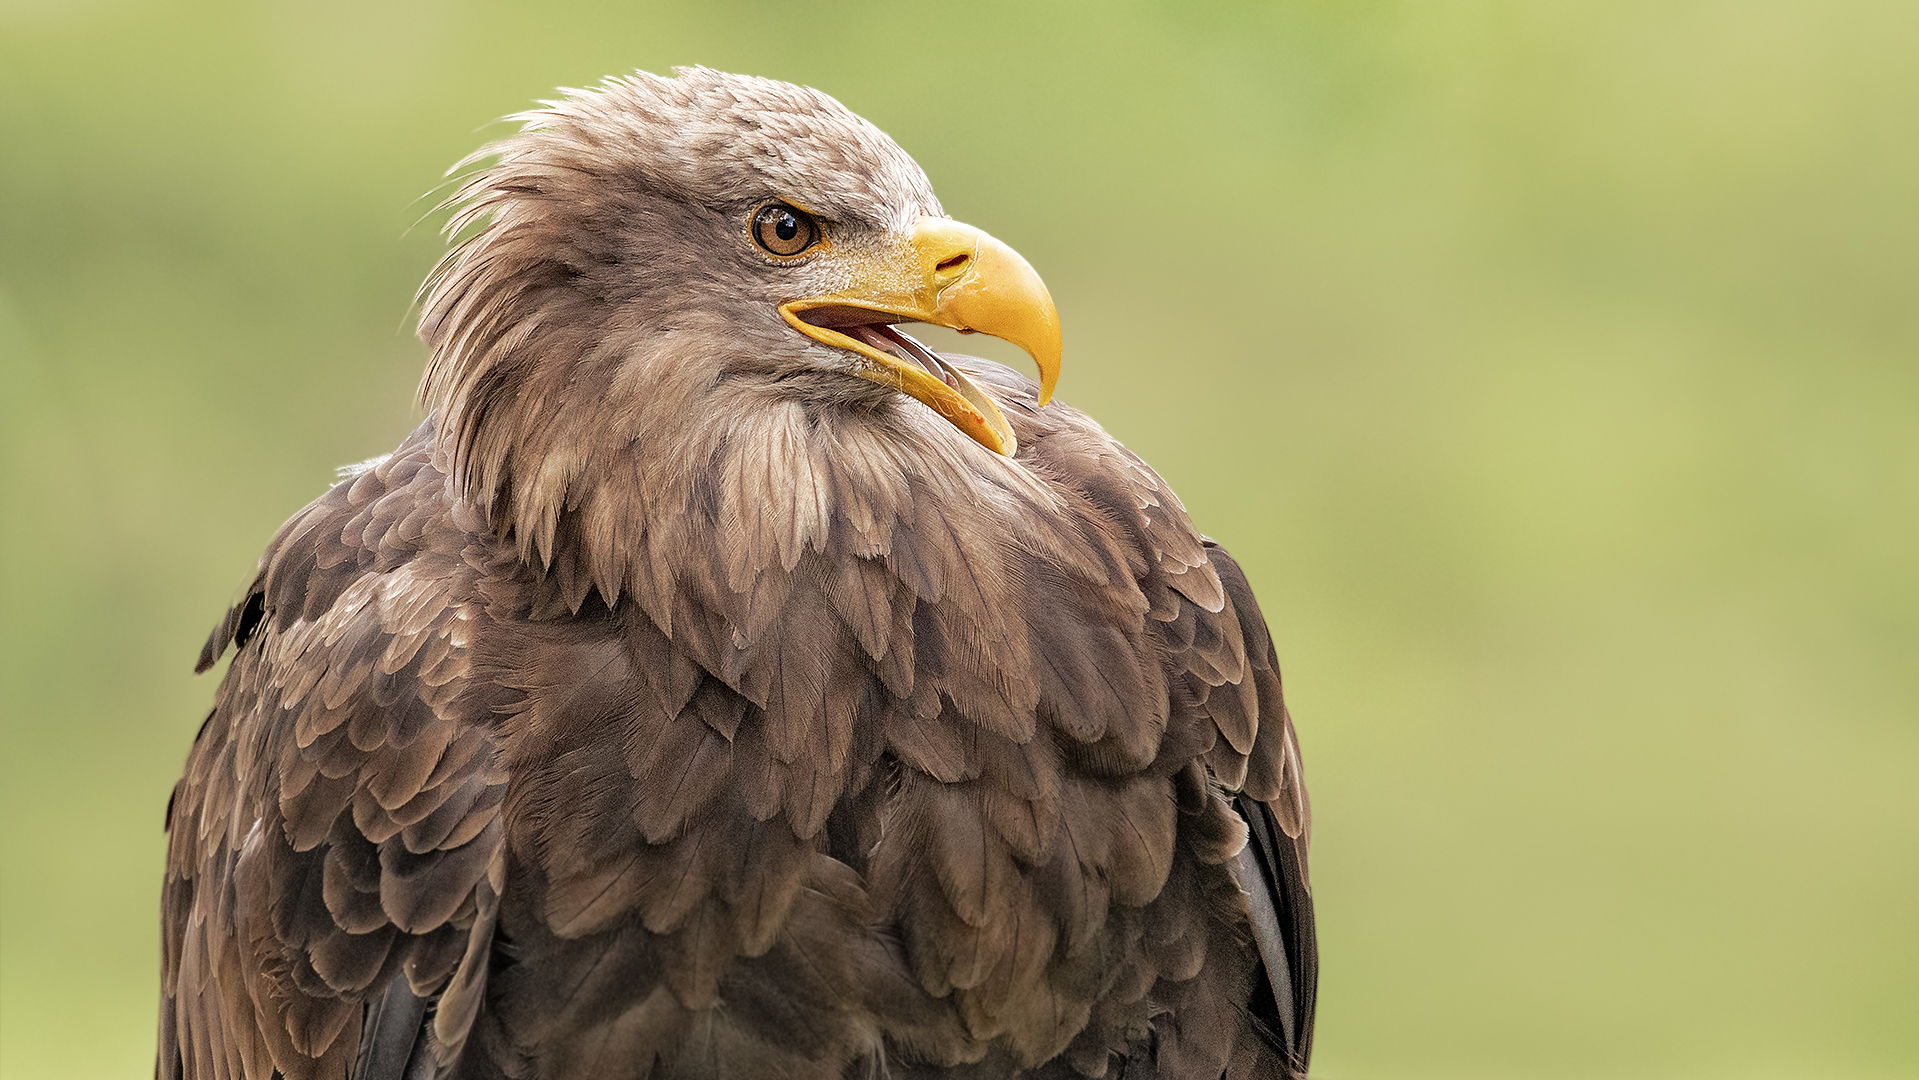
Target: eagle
x,y
721,683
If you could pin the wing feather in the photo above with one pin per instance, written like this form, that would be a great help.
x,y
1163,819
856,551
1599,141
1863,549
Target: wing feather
x,y
336,808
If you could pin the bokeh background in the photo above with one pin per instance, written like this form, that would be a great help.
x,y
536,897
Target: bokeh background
x,y
1550,366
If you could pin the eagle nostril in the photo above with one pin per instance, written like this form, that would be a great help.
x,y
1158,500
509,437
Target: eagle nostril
x,y
956,262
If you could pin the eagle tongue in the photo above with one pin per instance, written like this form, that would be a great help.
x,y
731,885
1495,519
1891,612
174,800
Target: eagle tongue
x,y
922,355
890,341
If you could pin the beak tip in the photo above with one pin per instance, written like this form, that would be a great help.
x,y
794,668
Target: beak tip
x,y
1047,361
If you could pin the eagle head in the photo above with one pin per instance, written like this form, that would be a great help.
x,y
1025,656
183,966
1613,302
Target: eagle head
x,y
658,253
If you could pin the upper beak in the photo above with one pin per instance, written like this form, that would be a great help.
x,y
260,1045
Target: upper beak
x,y
949,275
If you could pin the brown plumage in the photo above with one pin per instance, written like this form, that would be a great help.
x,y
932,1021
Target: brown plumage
x,y
682,699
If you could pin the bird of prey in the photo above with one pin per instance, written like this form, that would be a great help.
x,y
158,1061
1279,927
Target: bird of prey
x,y
720,683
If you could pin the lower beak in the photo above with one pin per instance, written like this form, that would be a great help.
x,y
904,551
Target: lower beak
x,y
956,276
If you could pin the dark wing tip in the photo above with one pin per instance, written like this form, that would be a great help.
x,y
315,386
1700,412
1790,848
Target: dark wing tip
x,y
1283,930
390,1044
242,619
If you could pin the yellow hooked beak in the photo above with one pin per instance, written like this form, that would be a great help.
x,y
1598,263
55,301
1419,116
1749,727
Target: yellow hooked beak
x,y
949,275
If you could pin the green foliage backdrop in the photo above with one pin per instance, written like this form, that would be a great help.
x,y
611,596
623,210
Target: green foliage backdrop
x,y
1551,366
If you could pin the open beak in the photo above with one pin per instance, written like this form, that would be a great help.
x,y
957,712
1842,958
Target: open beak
x,y
955,276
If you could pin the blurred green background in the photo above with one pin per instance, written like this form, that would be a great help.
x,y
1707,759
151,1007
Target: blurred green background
x,y
1550,366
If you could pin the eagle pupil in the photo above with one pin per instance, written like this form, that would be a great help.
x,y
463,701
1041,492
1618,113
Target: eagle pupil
x,y
788,227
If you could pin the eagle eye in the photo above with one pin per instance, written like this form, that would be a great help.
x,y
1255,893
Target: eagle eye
x,y
784,231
